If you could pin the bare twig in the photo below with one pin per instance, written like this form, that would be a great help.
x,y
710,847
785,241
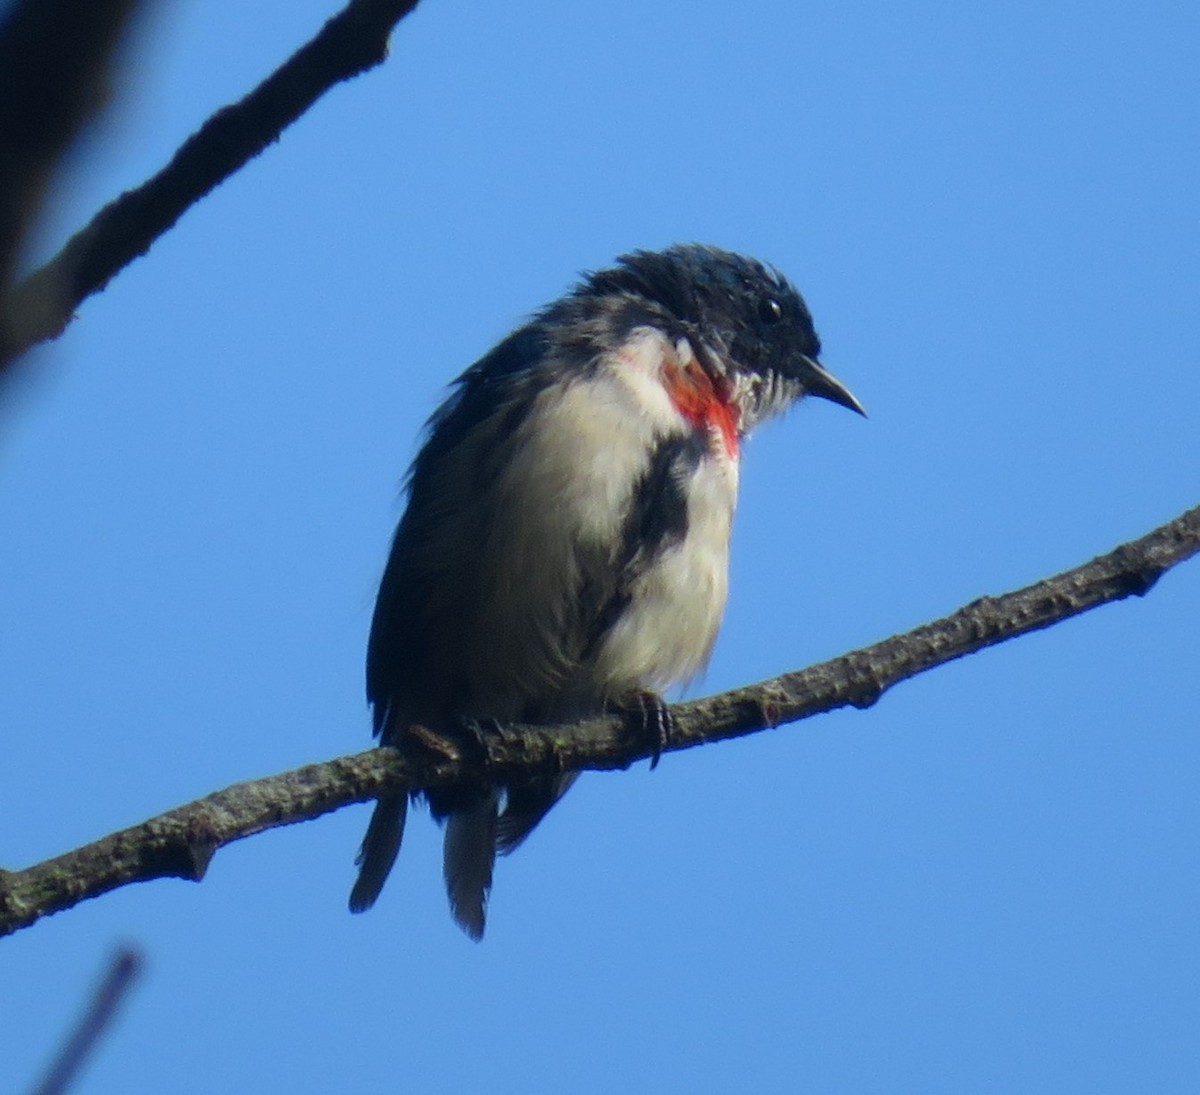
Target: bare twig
x,y
180,843
102,1009
350,43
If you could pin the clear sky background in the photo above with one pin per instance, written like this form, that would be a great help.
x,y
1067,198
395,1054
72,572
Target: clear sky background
x,y
988,882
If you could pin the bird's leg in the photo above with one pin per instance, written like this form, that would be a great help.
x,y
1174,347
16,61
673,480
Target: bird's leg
x,y
650,719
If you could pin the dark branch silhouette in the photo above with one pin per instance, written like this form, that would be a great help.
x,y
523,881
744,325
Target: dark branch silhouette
x,y
55,66
180,843
55,59
41,306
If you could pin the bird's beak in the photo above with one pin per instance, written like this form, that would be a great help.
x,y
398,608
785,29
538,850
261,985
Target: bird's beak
x,y
817,381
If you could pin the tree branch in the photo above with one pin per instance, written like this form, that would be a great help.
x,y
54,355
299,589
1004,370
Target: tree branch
x,y
180,843
41,306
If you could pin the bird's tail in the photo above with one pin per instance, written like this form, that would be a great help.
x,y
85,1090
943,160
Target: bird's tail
x,y
526,804
379,849
470,854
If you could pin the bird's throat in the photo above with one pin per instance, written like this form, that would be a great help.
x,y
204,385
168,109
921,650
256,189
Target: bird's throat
x,y
704,402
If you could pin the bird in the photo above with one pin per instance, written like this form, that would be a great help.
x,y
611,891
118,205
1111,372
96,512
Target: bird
x,y
564,550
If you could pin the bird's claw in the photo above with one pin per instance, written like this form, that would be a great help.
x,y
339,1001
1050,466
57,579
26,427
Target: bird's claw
x,y
652,720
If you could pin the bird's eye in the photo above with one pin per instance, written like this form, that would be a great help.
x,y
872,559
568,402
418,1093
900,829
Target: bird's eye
x,y
770,310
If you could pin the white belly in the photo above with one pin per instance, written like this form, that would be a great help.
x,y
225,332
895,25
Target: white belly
x,y
667,633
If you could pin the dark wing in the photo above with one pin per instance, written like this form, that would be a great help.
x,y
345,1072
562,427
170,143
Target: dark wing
x,y
405,683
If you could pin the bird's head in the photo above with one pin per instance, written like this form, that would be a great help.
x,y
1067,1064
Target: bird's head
x,y
746,322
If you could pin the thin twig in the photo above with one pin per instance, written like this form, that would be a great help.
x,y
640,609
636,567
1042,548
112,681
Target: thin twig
x,y
102,1009
180,843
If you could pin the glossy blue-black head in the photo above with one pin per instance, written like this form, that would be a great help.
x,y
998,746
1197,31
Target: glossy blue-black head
x,y
746,314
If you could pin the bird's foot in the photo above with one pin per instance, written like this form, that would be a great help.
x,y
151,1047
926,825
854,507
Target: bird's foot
x,y
462,739
650,718
473,734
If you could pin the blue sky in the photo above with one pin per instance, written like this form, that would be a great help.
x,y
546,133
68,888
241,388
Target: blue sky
x,y
989,882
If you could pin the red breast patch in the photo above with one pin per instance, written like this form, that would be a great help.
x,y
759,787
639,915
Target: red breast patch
x,y
703,401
